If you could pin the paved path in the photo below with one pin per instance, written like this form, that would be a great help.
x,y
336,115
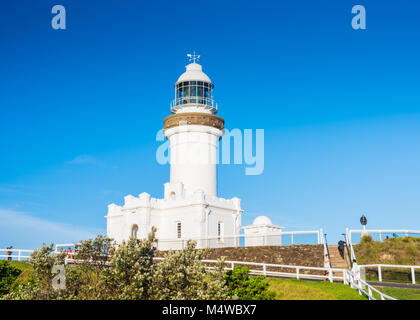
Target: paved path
x,y
394,285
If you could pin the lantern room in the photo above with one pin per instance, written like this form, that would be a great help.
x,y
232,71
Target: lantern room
x,y
194,91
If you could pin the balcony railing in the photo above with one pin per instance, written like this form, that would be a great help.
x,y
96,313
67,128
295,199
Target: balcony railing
x,y
206,103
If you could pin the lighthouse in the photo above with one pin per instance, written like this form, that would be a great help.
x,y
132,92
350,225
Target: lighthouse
x,y
191,208
194,130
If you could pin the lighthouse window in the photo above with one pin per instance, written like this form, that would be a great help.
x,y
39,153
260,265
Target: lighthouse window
x,y
220,231
178,230
193,92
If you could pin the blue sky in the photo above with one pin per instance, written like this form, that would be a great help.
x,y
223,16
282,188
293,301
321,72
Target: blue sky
x,y
80,109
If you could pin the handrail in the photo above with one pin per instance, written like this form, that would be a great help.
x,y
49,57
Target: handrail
x,y
350,245
359,283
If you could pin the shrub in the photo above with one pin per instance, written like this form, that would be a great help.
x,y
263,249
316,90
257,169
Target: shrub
x,y
130,273
244,287
8,275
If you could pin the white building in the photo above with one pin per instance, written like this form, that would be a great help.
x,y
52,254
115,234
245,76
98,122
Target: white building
x,y
191,208
262,232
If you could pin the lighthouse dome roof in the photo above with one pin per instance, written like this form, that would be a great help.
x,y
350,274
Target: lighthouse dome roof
x,y
194,72
262,221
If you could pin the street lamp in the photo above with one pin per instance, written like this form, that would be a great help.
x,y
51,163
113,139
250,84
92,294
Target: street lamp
x,y
363,222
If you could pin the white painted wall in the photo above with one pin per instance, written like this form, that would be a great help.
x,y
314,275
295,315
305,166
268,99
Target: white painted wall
x,y
198,213
193,152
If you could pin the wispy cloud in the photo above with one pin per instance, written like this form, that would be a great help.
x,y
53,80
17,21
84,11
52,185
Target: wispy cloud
x,y
89,160
84,159
25,231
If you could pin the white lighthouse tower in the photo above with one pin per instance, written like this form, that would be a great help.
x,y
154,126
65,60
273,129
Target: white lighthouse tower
x,y
191,208
194,131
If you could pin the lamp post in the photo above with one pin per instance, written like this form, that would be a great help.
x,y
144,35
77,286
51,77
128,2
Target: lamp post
x,y
363,222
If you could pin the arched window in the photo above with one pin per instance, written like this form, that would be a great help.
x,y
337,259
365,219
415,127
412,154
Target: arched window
x,y
134,231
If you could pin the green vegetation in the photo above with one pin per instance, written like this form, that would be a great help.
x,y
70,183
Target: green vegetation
x,y
402,251
8,275
244,287
397,251
131,273
286,289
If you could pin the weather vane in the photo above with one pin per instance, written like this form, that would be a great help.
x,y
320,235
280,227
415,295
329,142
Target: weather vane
x,y
193,57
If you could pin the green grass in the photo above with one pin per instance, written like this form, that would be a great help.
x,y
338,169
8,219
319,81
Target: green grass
x,y
291,289
399,293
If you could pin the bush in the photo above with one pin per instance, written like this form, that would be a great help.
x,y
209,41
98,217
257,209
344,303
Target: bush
x,y
244,287
130,273
8,275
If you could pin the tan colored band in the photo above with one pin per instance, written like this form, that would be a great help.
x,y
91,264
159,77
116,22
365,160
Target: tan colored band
x,y
191,118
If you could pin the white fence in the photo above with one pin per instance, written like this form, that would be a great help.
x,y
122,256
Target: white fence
x,y
281,239
15,254
360,285
381,234
380,266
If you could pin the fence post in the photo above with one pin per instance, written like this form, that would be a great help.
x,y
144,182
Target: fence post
x,y
292,239
370,293
413,275
233,265
297,273
330,275
19,254
264,269
379,273
380,236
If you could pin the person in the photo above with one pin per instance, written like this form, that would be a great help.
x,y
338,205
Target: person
x,y
9,253
327,264
341,248
387,238
356,272
69,253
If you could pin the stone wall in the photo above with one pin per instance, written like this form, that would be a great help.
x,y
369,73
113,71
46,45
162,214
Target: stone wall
x,y
298,255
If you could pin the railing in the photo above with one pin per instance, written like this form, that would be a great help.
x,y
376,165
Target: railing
x,y
350,247
323,241
384,232
184,101
380,266
242,240
16,254
360,285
